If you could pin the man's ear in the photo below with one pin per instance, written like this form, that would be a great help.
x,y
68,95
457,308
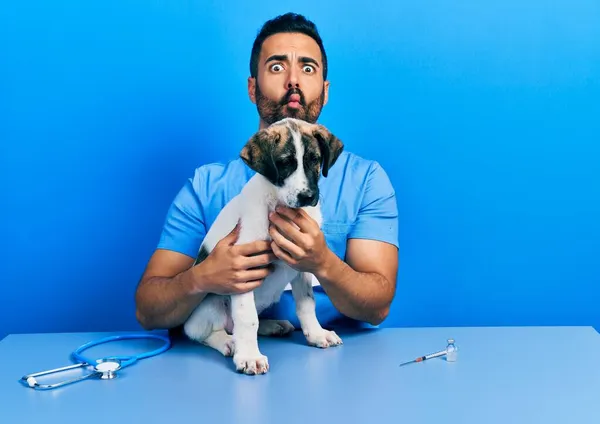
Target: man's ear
x,y
325,92
331,148
258,153
252,89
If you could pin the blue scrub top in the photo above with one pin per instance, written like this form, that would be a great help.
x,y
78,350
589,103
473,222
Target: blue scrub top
x,y
358,202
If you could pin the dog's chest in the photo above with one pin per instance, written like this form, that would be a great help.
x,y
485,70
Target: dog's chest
x,y
270,291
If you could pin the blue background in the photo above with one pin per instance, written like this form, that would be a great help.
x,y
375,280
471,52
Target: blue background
x,y
485,115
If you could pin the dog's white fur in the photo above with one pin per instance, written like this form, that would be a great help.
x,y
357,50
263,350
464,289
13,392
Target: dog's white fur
x,y
230,324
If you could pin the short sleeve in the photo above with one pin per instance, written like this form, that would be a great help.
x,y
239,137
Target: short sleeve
x,y
377,217
184,226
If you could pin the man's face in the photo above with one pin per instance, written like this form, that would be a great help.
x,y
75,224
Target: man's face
x,y
289,81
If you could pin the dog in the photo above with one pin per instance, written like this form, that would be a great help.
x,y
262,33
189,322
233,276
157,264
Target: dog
x,y
289,157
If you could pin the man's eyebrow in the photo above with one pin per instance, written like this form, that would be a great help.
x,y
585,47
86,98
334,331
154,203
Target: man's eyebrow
x,y
278,57
306,59
283,57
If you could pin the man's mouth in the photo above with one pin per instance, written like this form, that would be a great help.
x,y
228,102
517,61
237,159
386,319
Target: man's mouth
x,y
294,101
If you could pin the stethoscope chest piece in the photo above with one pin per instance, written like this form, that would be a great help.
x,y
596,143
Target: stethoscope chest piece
x,y
107,368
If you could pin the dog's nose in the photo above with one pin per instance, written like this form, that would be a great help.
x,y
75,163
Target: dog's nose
x,y
308,199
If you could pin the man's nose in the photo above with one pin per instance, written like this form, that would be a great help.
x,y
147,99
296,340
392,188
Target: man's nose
x,y
292,81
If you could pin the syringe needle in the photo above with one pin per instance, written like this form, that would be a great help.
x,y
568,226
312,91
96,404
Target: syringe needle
x,y
424,358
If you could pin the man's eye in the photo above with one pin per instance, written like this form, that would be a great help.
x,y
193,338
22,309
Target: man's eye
x,y
276,68
308,68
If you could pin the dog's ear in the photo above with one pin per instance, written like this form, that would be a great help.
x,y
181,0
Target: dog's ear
x,y
258,153
331,147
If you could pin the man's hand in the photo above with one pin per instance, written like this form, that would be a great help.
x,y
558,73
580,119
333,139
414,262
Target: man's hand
x,y
298,240
171,287
234,269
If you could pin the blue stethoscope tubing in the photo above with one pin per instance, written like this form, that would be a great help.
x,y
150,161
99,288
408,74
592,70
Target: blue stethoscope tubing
x,y
125,360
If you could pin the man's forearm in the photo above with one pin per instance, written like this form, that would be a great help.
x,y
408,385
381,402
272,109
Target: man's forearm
x,y
358,295
166,302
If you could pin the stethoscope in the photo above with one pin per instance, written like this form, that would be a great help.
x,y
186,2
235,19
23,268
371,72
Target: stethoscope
x,y
104,368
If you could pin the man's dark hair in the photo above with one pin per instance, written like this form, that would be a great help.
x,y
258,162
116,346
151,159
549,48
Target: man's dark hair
x,y
289,22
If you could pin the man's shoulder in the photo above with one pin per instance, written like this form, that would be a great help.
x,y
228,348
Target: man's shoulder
x,y
353,168
354,180
217,182
358,162
233,169
214,174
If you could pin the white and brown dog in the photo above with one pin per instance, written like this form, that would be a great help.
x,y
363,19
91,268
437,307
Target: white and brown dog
x,y
289,156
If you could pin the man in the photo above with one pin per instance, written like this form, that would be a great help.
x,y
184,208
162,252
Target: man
x,y
354,257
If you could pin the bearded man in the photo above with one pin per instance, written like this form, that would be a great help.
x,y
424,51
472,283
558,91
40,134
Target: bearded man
x,y
353,255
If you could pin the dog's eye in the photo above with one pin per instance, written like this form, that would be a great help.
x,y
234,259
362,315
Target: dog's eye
x,y
312,157
286,162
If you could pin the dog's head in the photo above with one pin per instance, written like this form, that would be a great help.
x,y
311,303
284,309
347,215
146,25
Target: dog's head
x,y
293,154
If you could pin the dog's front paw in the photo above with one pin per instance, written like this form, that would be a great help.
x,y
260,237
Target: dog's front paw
x,y
322,338
251,364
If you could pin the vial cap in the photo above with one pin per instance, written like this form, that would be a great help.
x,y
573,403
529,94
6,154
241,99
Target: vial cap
x,y
450,341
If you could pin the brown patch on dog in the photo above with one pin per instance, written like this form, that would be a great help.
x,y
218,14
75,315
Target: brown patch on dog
x,y
317,138
271,153
312,153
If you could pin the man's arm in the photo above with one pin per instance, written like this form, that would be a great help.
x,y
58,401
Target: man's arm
x,y
364,286
165,295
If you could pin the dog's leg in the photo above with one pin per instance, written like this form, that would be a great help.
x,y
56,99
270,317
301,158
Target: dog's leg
x,y
207,323
306,310
274,327
247,357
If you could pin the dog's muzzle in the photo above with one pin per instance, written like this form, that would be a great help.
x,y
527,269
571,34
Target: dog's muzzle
x,y
308,199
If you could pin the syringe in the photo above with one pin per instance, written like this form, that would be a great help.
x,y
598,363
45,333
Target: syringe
x,y
450,348
426,357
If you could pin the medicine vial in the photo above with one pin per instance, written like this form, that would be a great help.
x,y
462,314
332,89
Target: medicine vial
x,y
451,351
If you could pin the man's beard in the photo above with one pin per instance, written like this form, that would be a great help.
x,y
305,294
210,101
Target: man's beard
x,y
271,111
